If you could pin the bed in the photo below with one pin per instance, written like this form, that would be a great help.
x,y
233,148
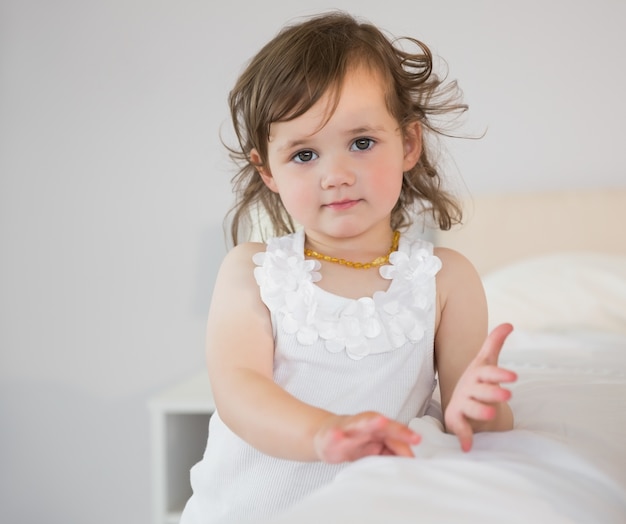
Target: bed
x,y
554,265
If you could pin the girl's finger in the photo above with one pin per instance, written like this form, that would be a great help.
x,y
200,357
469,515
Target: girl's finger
x,y
495,374
492,346
399,448
463,431
365,423
400,432
475,410
490,393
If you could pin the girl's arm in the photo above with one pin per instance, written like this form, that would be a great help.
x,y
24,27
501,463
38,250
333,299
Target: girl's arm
x,y
466,358
240,354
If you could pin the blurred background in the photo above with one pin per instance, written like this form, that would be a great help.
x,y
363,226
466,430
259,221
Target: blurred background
x,y
114,184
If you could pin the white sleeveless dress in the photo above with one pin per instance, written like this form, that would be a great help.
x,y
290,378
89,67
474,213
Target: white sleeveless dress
x,y
340,354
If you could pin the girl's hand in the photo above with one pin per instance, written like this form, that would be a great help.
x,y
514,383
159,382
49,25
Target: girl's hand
x,y
350,437
478,392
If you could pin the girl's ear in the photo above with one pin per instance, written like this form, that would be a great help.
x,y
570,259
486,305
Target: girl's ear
x,y
412,145
263,171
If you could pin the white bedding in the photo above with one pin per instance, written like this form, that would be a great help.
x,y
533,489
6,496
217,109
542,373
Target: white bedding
x,y
564,462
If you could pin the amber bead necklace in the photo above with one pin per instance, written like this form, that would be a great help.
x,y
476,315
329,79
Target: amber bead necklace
x,y
377,262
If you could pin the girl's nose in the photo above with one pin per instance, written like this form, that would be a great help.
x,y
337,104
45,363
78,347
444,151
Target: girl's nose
x,y
337,173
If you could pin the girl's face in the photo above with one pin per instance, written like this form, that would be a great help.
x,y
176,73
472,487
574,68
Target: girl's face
x,y
342,177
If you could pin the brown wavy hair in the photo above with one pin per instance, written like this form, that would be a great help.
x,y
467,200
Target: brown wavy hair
x,y
299,66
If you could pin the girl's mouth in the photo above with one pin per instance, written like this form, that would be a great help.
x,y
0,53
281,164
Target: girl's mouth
x,y
342,205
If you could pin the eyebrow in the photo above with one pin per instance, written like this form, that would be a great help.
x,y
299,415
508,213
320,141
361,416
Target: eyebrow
x,y
292,144
363,130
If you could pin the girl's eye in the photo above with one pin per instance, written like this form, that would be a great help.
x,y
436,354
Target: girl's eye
x,y
362,144
303,157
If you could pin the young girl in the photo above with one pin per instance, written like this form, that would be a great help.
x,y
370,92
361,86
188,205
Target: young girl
x,y
325,342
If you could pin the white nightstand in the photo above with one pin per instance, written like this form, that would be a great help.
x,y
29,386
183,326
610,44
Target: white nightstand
x,y
179,417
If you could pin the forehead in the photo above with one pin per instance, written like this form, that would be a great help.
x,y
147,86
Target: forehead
x,y
358,102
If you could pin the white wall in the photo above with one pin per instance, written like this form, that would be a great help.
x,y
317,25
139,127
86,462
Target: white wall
x,y
113,185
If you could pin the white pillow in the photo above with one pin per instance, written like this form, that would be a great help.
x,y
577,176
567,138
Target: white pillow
x,y
560,292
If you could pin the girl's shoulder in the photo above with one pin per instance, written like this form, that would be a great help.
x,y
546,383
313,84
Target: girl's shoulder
x,y
245,251
454,265
238,264
248,259
457,281
287,243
